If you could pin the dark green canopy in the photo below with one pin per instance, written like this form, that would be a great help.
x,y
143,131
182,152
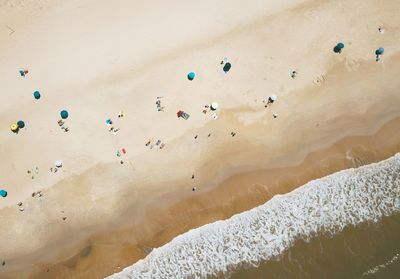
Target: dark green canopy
x,y
21,124
227,67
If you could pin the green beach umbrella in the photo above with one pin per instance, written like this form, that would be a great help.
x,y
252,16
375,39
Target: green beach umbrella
x,y
227,67
36,94
21,124
64,114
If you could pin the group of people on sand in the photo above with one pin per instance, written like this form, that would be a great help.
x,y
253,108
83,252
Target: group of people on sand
x,y
152,143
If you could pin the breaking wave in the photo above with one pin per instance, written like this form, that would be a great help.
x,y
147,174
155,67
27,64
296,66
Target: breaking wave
x,y
325,205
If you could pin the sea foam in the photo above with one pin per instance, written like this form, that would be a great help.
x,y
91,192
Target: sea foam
x,y
325,205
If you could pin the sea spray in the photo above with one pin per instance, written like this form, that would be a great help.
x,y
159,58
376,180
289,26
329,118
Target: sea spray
x,y
325,205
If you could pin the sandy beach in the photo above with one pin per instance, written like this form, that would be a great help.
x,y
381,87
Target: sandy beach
x,y
95,59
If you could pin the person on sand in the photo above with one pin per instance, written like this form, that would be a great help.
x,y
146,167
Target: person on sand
x,y
192,176
195,137
194,188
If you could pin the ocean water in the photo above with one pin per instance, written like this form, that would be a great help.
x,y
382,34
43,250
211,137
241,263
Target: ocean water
x,y
294,235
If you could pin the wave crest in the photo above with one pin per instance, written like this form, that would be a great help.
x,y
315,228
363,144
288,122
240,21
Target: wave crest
x,y
325,205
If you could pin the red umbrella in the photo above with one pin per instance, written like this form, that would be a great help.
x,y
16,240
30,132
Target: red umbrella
x,y
123,150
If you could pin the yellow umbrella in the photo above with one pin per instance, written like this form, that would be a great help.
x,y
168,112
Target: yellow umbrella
x,y
14,127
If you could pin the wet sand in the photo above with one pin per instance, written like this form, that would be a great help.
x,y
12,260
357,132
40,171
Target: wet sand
x,y
163,218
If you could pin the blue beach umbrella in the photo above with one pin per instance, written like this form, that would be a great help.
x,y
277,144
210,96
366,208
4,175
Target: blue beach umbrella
x,y
3,193
36,94
379,51
340,45
64,114
21,124
191,76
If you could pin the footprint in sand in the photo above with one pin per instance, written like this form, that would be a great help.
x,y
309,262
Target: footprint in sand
x,y
319,80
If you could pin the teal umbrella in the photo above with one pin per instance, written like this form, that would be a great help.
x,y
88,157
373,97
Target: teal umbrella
x,y
379,51
191,76
36,94
64,114
3,193
21,124
338,48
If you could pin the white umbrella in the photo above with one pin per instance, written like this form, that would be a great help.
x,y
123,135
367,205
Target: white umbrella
x,y
214,106
273,98
58,163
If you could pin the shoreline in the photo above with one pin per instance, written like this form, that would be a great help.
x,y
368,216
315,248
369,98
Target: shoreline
x,y
104,252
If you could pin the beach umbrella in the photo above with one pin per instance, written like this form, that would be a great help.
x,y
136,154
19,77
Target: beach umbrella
x,y
379,51
14,127
191,76
214,106
227,67
58,163
36,94
273,98
123,150
3,193
64,114
338,48
21,124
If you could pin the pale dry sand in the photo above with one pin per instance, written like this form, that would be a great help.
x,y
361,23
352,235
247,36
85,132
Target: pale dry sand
x,y
96,58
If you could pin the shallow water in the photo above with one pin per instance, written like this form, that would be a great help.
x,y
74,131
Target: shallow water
x,y
363,252
333,227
